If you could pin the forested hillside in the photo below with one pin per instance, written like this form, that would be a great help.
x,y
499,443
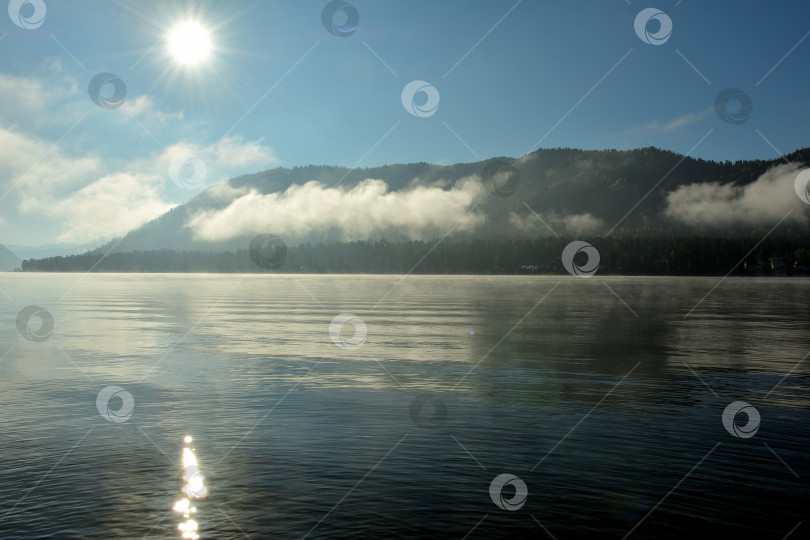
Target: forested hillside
x,y
625,255
603,185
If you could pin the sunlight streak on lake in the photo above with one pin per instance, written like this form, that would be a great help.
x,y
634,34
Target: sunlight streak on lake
x,y
194,488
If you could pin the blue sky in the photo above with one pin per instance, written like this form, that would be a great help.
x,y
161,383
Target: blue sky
x,y
279,89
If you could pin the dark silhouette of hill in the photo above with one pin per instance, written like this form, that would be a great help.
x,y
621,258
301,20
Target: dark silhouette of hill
x,y
564,181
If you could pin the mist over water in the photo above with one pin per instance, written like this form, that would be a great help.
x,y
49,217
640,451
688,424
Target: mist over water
x,y
300,431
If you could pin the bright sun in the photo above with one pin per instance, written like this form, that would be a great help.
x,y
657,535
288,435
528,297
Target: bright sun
x,y
189,43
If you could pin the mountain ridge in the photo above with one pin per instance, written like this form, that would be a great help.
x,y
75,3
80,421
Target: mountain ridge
x,y
8,260
558,183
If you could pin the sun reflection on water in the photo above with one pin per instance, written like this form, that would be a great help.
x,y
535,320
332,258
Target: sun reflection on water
x,y
194,488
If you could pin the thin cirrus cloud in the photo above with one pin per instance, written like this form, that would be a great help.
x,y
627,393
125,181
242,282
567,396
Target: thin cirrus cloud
x,y
763,202
51,100
672,125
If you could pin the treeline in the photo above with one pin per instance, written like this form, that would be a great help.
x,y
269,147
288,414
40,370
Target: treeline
x,y
542,255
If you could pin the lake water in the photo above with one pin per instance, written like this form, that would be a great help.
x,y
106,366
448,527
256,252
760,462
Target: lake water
x,y
601,396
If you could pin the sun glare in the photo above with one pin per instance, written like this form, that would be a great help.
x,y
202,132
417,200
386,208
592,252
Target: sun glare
x,y
189,43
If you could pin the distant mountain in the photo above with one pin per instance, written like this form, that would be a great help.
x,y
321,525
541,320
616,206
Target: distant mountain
x,y
8,260
573,187
49,250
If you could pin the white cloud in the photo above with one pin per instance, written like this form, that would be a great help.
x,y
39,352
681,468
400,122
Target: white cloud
x,y
75,186
583,224
365,210
223,191
22,94
763,202
525,159
111,206
234,152
143,106
41,103
124,196
55,99
72,172
33,165
52,103
223,159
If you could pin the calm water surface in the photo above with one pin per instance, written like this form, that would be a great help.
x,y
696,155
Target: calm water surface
x,y
601,395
